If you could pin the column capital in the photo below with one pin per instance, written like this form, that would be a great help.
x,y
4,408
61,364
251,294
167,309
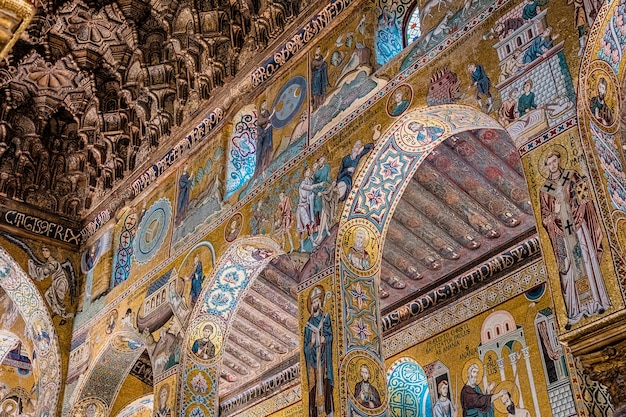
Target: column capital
x,y
608,366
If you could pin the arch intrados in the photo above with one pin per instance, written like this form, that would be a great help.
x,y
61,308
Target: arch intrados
x,y
18,286
78,394
408,153
237,255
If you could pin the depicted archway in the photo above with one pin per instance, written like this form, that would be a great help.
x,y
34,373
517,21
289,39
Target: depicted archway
x,y
41,330
105,377
210,322
364,223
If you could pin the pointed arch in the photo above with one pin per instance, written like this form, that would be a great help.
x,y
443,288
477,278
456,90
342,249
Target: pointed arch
x,y
108,371
214,312
369,207
39,327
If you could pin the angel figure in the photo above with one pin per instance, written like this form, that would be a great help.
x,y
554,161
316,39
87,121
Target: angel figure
x,y
63,279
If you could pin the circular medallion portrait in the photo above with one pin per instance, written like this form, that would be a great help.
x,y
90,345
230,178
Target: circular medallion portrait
x,y
417,134
360,247
205,341
233,227
366,384
399,100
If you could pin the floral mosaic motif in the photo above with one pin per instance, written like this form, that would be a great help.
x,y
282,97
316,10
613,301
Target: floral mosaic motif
x,y
359,296
408,391
361,330
611,166
199,384
613,42
123,258
242,151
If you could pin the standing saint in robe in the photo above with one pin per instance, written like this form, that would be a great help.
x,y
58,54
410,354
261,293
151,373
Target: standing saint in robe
x,y
318,354
264,140
569,217
184,190
319,78
197,278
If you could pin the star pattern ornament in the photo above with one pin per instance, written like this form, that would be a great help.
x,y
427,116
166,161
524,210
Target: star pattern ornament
x,y
361,330
359,296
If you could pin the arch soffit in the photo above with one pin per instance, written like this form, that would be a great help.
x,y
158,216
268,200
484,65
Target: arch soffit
x,y
379,186
33,310
111,366
232,275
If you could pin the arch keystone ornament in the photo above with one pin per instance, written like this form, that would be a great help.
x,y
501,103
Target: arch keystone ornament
x,y
369,207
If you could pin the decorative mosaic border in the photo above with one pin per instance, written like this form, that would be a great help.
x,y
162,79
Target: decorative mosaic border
x,y
548,135
283,399
467,307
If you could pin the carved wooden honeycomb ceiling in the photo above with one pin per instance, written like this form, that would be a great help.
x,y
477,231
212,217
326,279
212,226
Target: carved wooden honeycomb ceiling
x,y
93,88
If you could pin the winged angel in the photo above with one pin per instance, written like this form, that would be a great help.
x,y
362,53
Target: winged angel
x,y
63,277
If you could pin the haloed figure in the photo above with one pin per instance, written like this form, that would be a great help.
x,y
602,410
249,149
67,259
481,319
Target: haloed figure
x,y
318,354
365,392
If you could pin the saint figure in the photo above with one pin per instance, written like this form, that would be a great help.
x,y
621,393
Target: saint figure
x,y
319,78
318,354
164,409
364,392
358,255
184,190
264,141
570,220
197,278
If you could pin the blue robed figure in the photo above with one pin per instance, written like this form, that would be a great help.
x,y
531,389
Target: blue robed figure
x,y
318,339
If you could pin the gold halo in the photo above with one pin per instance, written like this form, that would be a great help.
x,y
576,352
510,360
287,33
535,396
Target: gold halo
x,y
470,362
541,167
512,389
